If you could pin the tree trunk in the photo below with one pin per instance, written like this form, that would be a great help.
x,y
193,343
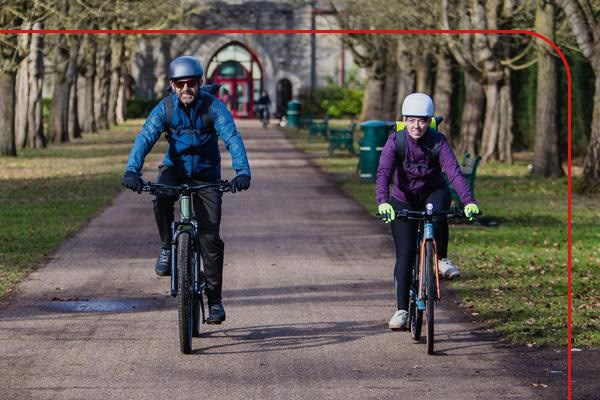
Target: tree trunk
x,y
591,164
505,135
36,82
546,158
585,27
380,93
496,141
86,84
74,127
472,116
442,92
491,122
162,66
74,130
7,113
423,68
58,131
117,56
22,95
123,96
390,91
102,86
405,78
121,106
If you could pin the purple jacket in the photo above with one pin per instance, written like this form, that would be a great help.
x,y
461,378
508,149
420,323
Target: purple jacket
x,y
412,183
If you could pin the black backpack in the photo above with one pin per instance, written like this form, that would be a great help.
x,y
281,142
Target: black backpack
x,y
401,141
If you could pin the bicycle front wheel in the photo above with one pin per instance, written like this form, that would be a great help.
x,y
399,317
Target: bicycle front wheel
x,y
431,292
186,298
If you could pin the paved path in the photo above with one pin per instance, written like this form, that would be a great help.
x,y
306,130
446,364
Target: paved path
x,y
308,293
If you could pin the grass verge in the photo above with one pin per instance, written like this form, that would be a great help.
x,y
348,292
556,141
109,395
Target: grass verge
x,y
48,194
514,275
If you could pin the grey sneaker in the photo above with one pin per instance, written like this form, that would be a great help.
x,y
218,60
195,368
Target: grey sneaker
x,y
163,264
447,269
398,321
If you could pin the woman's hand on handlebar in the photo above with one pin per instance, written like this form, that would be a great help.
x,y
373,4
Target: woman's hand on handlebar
x,y
471,210
387,212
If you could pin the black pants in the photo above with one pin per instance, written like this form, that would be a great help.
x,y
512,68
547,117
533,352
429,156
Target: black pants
x,y
207,209
405,239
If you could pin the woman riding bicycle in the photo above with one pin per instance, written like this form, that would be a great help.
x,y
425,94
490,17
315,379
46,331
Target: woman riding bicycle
x,y
416,182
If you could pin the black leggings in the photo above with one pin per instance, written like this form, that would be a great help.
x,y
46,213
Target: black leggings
x,y
405,239
207,209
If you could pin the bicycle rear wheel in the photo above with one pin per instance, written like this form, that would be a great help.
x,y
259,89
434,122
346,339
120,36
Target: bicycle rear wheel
x,y
431,293
186,293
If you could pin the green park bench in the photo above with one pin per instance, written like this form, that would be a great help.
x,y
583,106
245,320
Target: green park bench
x,y
468,167
316,128
342,138
304,123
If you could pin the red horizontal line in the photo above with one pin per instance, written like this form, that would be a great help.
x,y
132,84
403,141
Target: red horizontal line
x,y
270,31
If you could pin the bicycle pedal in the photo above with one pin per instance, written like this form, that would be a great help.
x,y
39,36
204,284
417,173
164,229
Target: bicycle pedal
x,y
213,322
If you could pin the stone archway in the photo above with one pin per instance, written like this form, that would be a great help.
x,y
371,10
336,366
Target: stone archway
x,y
239,71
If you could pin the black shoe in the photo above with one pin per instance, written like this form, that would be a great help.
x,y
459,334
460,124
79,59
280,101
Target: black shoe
x,y
216,314
163,264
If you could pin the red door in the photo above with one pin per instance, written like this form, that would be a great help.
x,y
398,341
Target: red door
x,y
240,100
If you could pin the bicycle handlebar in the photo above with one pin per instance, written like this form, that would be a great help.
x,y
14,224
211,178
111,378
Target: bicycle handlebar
x,y
406,214
154,188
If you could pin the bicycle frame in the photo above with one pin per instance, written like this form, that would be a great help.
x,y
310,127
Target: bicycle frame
x,y
426,234
188,225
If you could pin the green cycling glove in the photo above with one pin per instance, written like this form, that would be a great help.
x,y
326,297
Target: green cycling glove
x,y
471,209
387,212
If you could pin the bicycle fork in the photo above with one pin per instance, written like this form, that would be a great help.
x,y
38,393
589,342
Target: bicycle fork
x,y
428,236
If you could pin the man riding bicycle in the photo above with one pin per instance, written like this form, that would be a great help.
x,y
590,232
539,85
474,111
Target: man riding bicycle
x,y
418,180
192,119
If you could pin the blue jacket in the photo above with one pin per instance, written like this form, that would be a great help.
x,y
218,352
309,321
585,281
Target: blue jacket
x,y
193,148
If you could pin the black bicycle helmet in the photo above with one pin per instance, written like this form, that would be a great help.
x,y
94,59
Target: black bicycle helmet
x,y
185,67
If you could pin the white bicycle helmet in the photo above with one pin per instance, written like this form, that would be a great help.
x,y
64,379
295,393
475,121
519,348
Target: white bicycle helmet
x,y
417,105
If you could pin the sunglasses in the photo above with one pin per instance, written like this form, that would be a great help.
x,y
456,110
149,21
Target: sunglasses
x,y
191,83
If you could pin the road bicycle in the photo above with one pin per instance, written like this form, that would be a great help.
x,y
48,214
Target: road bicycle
x,y
187,278
425,282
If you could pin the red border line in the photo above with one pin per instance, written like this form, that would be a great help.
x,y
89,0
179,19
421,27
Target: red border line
x,y
395,32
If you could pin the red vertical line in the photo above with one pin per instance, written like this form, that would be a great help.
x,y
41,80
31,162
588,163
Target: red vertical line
x,y
569,248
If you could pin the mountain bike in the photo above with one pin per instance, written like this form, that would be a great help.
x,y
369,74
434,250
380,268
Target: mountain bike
x,y
424,287
187,278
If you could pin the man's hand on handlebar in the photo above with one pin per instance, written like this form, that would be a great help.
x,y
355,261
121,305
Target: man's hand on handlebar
x,y
239,183
132,181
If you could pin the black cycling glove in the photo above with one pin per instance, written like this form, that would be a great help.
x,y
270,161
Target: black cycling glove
x,y
240,182
132,181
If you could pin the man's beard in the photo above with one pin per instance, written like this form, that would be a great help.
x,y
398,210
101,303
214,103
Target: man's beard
x,y
187,99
